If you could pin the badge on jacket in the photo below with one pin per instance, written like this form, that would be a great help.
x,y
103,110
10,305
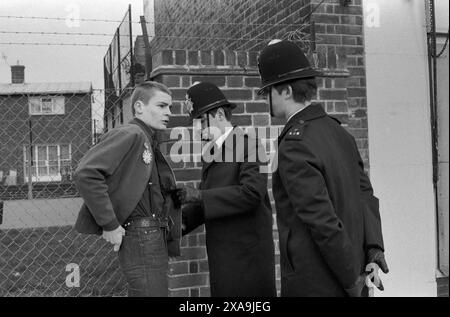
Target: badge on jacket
x,y
147,155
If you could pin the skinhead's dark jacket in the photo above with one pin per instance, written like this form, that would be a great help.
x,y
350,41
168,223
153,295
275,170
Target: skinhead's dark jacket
x,y
111,179
237,215
327,214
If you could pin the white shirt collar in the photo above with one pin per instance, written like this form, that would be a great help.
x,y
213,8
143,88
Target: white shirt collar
x,y
219,142
306,106
223,137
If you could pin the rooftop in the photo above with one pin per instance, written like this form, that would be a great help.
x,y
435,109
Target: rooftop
x,y
46,88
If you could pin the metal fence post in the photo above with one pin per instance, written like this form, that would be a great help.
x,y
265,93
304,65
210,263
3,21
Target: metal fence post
x,y
1,212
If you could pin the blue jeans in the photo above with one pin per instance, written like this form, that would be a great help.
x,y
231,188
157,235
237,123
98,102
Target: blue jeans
x,y
144,262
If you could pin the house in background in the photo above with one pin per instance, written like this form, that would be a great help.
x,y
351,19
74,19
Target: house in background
x,y
45,129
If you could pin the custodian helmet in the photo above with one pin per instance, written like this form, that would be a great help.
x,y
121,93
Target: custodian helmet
x,y
281,61
204,97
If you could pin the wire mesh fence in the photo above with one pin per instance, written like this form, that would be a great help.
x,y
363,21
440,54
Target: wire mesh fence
x,y
43,135
45,131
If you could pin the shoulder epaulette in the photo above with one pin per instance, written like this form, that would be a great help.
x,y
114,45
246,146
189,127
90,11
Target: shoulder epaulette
x,y
296,132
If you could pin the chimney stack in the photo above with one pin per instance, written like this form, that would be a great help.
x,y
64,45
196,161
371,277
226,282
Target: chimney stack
x,y
17,74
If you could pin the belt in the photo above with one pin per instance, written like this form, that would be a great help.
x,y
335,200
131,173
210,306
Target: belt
x,y
148,222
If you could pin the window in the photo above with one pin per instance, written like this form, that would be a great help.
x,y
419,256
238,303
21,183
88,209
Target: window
x,y
51,163
46,105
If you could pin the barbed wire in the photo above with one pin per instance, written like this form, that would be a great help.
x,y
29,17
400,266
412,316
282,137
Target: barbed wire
x,y
52,44
156,36
58,33
106,45
57,18
137,22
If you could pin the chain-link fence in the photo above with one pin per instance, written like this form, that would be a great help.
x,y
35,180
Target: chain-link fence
x,y
47,128
44,132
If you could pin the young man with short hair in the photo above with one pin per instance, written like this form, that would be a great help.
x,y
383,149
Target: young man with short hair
x,y
124,181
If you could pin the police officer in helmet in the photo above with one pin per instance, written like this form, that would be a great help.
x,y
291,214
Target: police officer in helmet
x,y
232,201
328,217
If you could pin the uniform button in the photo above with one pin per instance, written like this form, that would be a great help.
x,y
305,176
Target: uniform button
x,y
302,122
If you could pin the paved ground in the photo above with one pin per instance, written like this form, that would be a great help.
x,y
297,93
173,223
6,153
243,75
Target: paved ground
x,y
40,213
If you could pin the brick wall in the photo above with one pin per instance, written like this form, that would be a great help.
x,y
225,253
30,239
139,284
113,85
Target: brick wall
x,y
340,52
74,127
231,25
232,29
219,41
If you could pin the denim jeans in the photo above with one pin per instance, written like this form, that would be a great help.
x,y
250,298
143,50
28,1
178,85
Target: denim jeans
x,y
144,262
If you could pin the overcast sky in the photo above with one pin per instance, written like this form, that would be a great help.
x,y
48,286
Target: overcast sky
x,y
60,63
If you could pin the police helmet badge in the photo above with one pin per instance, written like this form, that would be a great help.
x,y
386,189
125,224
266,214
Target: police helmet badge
x,y
189,105
147,155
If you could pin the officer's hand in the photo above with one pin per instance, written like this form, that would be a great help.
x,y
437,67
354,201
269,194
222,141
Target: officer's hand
x,y
175,194
356,289
114,237
373,279
183,223
375,255
189,194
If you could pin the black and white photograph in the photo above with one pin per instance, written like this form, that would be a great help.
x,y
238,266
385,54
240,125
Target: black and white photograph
x,y
247,150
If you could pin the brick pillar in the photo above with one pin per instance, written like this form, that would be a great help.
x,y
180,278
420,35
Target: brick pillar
x,y
234,25
340,54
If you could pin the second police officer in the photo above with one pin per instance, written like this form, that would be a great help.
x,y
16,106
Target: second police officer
x,y
328,218
232,201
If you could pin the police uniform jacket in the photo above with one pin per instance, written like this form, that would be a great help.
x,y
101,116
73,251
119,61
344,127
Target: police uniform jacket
x,y
327,214
237,215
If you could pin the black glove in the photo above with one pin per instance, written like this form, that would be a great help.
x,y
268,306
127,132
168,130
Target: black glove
x,y
375,255
174,194
357,288
189,194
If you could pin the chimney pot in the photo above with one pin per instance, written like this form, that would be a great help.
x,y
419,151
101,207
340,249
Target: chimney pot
x,y
17,74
